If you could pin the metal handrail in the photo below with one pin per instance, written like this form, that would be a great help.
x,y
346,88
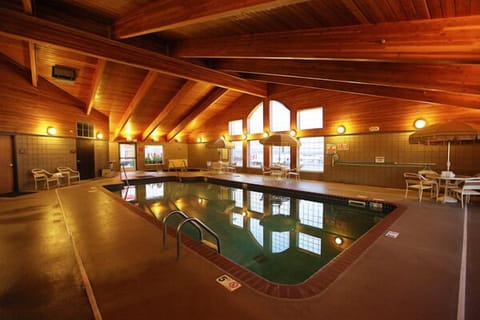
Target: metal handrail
x,y
125,173
196,222
164,222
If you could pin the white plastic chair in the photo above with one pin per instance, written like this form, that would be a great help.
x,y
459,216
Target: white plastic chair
x,y
470,187
294,173
417,182
45,177
72,175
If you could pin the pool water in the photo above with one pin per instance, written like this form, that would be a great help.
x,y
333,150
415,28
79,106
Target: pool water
x,y
281,238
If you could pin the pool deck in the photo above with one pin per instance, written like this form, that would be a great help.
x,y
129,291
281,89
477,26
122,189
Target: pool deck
x,y
77,252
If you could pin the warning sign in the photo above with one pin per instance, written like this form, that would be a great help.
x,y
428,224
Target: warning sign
x,y
228,282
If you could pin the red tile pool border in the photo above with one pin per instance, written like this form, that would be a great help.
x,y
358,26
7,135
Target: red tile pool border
x,y
312,286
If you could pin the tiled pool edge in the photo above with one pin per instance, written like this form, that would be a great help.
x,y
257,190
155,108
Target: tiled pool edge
x,y
316,284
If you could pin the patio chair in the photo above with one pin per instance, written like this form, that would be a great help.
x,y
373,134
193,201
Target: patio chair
x,y
45,177
70,174
266,171
431,178
470,187
417,182
294,173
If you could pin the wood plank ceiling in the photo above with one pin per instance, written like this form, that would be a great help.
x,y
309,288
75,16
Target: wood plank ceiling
x,y
163,69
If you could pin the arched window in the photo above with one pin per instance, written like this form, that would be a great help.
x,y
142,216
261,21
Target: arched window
x,y
279,117
255,120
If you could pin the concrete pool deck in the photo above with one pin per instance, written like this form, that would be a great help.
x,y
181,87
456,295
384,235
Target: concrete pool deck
x,y
50,238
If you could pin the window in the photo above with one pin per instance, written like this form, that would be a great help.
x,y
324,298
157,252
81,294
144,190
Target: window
x,y
85,130
280,241
311,154
255,201
153,154
310,243
310,118
128,155
280,155
255,154
236,219
279,117
235,127
236,154
255,120
256,229
311,213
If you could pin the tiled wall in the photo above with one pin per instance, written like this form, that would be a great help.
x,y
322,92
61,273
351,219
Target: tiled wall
x,y
395,148
49,153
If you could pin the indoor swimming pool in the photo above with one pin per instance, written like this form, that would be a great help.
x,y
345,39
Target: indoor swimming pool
x,y
282,236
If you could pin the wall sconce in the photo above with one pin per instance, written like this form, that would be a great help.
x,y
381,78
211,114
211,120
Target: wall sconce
x,y
341,129
199,140
419,123
51,131
338,241
99,135
293,133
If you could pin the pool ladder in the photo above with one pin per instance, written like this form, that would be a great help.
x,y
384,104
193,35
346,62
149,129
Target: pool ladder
x,y
197,223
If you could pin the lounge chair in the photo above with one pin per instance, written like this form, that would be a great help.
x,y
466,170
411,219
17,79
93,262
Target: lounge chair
x,y
70,174
470,187
417,182
45,177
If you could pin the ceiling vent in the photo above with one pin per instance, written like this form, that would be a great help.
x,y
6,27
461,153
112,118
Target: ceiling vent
x,y
63,73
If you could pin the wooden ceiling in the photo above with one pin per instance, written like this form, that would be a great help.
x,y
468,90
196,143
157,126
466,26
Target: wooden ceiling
x,y
166,68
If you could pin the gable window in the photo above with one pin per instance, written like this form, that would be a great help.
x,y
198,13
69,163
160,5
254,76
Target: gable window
x,y
279,117
310,118
235,127
255,120
85,130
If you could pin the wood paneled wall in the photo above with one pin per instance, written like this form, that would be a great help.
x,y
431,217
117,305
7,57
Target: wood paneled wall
x,y
28,110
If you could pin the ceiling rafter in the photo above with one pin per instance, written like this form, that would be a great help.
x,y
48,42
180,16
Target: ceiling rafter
x,y
97,78
461,79
32,54
164,15
30,28
443,40
411,94
147,83
173,103
213,97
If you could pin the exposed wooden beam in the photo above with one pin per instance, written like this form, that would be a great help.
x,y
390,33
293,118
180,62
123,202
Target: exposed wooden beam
x,y
214,95
97,77
32,54
417,95
164,15
21,26
27,6
137,98
172,104
461,78
441,40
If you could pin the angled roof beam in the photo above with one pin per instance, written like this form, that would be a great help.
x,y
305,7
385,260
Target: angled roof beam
x,y
97,77
172,104
137,98
32,54
461,78
30,28
440,40
411,94
214,96
164,15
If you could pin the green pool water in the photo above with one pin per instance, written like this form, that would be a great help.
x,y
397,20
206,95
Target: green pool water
x,y
280,237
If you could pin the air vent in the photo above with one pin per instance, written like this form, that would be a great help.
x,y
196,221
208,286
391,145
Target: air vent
x,y
63,73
